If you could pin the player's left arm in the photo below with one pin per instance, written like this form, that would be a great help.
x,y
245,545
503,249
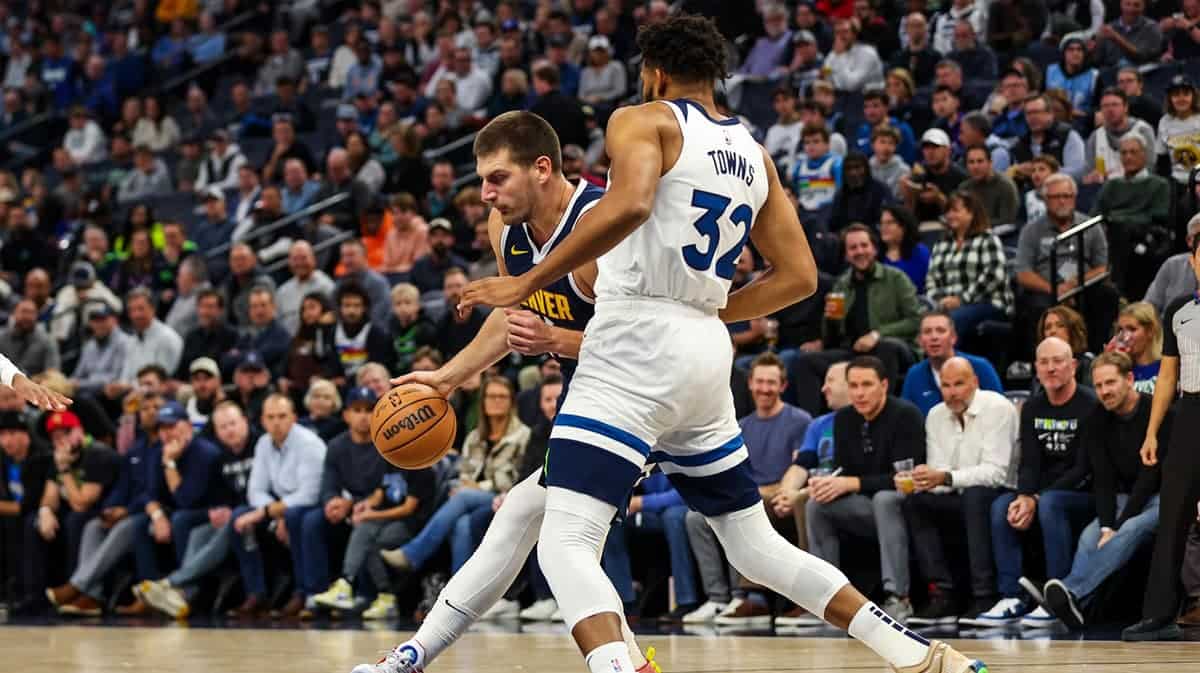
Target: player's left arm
x,y
792,273
634,141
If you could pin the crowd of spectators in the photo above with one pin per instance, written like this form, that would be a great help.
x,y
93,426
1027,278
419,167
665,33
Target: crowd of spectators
x,y
225,225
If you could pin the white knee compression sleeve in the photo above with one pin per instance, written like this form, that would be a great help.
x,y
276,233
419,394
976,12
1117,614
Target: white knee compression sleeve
x,y
489,572
763,556
569,549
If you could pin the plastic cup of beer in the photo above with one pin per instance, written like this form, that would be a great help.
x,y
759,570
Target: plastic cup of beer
x,y
836,305
904,477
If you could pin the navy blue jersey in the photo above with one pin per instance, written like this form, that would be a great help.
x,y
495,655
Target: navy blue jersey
x,y
560,303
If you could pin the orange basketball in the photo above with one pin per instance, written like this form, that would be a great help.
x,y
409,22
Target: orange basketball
x,y
413,426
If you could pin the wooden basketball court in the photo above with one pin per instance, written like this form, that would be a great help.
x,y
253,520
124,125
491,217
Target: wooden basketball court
x,y
84,649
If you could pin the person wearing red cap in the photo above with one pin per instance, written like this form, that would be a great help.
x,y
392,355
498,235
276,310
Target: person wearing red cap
x,y
84,472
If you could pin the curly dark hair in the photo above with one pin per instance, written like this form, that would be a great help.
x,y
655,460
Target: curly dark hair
x,y
687,47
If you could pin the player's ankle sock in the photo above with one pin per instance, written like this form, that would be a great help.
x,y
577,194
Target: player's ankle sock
x,y
889,639
441,628
414,649
610,658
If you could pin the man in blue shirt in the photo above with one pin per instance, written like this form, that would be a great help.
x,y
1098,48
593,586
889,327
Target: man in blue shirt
x,y
937,339
59,73
875,113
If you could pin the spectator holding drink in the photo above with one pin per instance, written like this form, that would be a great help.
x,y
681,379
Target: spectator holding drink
x,y
1140,336
970,438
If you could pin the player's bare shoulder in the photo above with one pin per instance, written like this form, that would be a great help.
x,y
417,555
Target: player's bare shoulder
x,y
647,122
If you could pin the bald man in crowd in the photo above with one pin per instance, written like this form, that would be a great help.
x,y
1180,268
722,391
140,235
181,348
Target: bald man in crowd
x,y
969,441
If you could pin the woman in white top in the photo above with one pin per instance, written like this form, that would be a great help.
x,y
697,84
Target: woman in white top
x,y
155,129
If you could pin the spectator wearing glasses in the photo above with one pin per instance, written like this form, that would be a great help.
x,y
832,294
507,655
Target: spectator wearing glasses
x,y
1035,277
1137,214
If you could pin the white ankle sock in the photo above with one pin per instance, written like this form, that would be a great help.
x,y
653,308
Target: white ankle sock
x,y
610,658
414,648
888,638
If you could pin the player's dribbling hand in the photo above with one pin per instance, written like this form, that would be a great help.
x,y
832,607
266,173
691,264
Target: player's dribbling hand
x,y
433,379
500,292
528,334
39,395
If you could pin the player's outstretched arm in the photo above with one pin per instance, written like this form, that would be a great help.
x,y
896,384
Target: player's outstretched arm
x,y
792,274
33,393
489,345
633,142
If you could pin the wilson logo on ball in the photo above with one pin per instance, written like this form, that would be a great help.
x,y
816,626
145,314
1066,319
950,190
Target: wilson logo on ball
x,y
425,413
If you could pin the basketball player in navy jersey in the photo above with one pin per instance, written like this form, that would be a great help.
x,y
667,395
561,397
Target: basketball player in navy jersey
x,y
687,187
534,208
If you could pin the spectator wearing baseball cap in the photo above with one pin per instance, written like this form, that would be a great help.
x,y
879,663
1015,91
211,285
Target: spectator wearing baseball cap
x,y
185,475
427,271
1175,278
209,543
27,464
381,503
221,162
932,181
205,378
83,289
88,479
103,354
603,82
252,384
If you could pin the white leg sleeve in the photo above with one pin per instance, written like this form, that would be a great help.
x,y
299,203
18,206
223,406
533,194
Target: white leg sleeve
x,y
569,549
764,557
489,572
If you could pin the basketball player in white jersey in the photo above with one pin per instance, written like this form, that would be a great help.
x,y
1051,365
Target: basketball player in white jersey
x,y
534,209
687,187
33,393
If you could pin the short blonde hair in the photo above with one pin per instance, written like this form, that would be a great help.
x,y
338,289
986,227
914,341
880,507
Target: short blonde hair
x,y
369,367
323,386
406,291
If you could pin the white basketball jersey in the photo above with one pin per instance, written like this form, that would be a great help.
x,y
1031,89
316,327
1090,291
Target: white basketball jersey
x,y
688,248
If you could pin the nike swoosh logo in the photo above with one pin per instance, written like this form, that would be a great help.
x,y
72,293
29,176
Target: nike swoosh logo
x,y
1184,322
451,605
514,251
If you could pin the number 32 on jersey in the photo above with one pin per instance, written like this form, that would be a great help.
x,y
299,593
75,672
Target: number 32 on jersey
x,y
715,206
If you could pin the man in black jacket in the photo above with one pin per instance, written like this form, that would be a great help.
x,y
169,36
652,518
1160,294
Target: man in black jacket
x,y
562,111
1052,483
27,464
212,337
860,497
208,544
1126,491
